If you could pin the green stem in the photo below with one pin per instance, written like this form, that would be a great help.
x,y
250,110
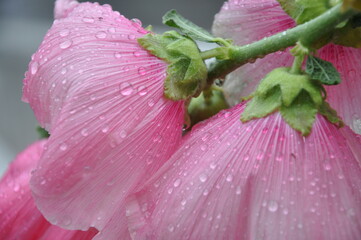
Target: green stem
x,y
219,52
306,33
297,64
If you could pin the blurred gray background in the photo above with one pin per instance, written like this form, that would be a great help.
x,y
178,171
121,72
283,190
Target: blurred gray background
x,y
23,23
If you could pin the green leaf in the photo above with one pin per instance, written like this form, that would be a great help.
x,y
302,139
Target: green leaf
x,y
326,110
301,114
261,106
304,10
42,132
187,72
174,19
323,71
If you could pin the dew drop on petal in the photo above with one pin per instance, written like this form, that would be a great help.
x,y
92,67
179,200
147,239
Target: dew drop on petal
x,y
141,71
203,177
101,35
238,190
88,19
84,132
177,182
64,32
142,91
34,68
63,147
126,89
272,206
118,55
229,178
137,53
123,134
66,44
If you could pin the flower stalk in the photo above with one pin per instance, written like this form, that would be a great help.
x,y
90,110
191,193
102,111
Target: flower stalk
x,y
306,33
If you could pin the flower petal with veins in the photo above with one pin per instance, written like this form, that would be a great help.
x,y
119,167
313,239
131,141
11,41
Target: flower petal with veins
x,y
100,95
19,217
258,180
247,21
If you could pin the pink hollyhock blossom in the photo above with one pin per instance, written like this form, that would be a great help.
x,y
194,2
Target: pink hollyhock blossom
x,y
100,95
259,180
248,20
19,217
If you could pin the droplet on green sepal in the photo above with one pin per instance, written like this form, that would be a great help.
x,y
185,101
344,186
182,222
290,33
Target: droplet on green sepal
x,y
297,96
187,72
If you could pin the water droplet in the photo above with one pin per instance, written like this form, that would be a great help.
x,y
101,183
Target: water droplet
x,y
84,132
213,165
177,182
16,187
123,134
118,55
142,91
204,147
285,211
229,178
34,68
131,37
272,206
64,32
151,103
65,44
105,129
238,190
88,19
101,35
137,53
63,147
142,71
203,177
137,21
126,89
63,71
112,30
43,182
183,202
171,228
327,166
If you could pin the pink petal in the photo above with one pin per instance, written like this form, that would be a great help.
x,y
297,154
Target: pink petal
x,y
259,180
19,217
247,21
101,96
64,7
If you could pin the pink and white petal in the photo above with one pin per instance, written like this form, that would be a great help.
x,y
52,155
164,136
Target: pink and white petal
x,y
101,96
345,97
19,218
63,7
246,22
259,180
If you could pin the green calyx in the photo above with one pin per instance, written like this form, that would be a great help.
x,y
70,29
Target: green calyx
x,y
187,72
206,105
298,98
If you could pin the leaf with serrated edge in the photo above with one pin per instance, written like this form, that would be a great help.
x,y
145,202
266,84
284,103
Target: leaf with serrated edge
x,y
261,106
173,19
323,71
301,114
327,111
290,84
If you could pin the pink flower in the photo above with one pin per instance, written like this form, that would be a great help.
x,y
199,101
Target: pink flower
x,y
259,180
19,217
100,95
248,20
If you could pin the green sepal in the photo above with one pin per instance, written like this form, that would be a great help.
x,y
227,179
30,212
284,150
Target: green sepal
x,y
301,114
206,105
327,111
304,10
323,71
187,72
290,85
350,34
261,106
43,134
173,19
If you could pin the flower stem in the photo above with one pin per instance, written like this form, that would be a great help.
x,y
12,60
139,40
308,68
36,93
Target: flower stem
x,y
306,33
297,64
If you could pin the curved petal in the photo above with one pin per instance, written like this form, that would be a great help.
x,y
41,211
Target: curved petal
x,y
247,21
101,97
345,97
63,7
259,180
19,218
